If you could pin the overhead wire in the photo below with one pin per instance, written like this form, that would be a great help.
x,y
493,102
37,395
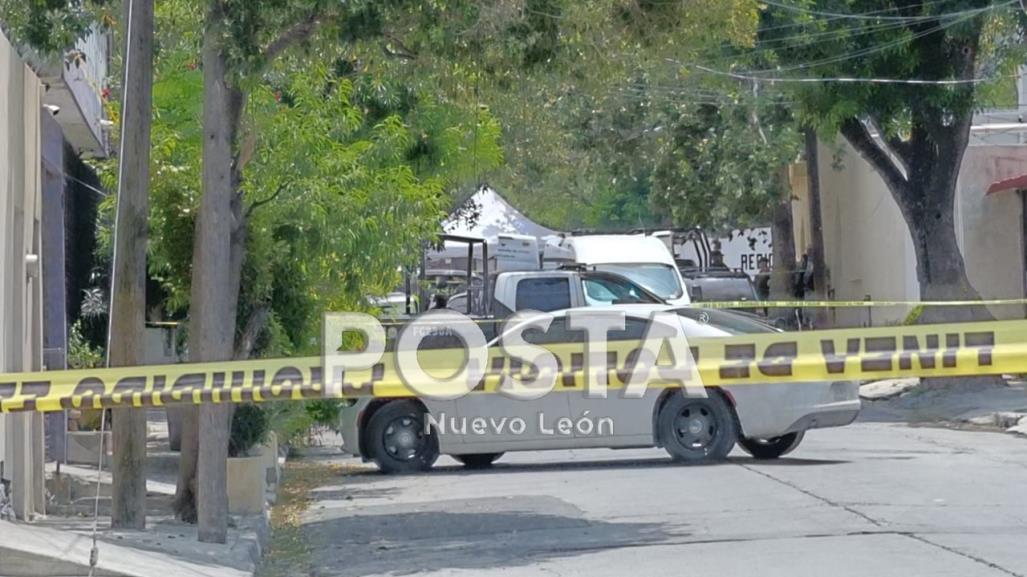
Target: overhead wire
x,y
765,74
852,16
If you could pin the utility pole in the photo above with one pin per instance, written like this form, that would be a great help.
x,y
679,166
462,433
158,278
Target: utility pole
x,y
126,336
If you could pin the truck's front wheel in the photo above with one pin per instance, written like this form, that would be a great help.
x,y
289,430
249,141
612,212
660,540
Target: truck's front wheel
x,y
398,440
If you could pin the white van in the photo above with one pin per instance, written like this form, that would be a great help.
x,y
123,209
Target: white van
x,y
643,259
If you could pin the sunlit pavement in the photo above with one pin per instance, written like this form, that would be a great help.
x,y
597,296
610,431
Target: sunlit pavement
x,y
869,499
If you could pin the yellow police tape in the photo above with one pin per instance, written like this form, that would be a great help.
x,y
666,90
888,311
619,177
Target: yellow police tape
x,y
944,350
853,304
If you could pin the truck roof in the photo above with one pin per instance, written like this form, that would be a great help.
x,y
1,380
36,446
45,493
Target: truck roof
x,y
619,248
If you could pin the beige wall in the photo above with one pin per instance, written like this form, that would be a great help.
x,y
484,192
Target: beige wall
x,y
21,435
868,247
990,227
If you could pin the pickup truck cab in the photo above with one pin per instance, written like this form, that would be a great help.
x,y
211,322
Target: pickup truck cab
x,y
644,260
554,290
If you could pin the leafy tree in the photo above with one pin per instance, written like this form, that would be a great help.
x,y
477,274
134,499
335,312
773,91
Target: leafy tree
x,y
960,54
300,154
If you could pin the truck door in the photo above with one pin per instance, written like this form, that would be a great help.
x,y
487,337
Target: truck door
x,y
617,421
540,416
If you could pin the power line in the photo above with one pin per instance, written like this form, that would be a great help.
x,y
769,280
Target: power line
x,y
756,75
869,16
852,80
874,49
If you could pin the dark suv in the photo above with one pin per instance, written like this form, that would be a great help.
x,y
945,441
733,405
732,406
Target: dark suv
x,y
706,285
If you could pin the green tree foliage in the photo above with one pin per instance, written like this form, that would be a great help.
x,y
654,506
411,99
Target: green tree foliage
x,y
348,172
597,119
53,26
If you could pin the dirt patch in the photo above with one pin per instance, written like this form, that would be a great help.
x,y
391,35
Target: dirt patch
x,y
288,551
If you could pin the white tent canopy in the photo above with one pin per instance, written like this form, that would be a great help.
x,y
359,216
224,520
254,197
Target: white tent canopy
x,y
494,216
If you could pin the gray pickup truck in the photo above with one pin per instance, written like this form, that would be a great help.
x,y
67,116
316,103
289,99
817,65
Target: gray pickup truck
x,y
554,290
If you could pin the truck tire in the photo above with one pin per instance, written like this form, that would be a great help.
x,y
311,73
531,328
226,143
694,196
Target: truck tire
x,y
398,441
771,448
695,430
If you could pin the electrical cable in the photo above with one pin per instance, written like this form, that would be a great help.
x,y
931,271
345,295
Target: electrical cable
x,y
94,551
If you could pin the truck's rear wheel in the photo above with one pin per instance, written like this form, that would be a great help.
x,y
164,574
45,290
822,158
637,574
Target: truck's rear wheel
x,y
398,440
696,429
771,448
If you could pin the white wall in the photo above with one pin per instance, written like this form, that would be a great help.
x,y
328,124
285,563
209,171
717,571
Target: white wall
x,y
21,435
868,247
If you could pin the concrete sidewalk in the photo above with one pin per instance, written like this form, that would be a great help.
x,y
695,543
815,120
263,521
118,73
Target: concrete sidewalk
x,y
59,547
60,543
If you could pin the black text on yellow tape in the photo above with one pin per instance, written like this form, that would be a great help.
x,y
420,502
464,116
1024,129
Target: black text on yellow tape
x,y
947,350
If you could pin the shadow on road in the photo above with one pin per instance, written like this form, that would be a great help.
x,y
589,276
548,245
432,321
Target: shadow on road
x,y
789,462
461,534
597,464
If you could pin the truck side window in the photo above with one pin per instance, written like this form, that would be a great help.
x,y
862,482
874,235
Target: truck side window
x,y
544,294
557,333
634,330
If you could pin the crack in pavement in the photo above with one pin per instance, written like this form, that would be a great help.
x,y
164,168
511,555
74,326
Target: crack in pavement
x,y
813,495
963,554
876,523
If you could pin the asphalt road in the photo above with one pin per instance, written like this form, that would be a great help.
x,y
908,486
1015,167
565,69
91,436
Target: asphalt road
x,y
869,499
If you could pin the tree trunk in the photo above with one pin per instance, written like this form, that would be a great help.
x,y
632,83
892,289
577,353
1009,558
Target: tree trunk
x,y
211,311
783,236
185,491
174,418
816,220
128,298
940,270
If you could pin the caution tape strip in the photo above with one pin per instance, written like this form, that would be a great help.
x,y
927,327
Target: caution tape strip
x,y
945,350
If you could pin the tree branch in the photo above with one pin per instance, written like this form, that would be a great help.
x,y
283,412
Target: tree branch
x,y
298,32
394,48
254,326
859,137
256,204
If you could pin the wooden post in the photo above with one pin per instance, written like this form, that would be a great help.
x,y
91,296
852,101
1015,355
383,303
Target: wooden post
x,y
126,338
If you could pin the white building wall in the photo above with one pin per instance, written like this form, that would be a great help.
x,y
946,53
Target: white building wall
x,y
868,247
21,435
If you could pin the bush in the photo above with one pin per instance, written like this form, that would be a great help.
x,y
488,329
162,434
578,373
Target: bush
x,y
249,428
325,412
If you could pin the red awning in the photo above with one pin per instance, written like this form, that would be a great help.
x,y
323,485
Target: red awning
x,y
1015,183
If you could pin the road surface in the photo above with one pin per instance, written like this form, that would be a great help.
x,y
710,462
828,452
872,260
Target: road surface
x,y
870,499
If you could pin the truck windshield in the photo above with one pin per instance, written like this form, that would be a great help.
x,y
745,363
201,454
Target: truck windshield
x,y
602,290
659,279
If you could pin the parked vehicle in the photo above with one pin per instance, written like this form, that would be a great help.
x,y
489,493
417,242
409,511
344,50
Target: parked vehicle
x,y
767,420
643,259
706,285
556,290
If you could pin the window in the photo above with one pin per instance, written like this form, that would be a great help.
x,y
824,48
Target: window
x,y
659,279
544,294
557,333
606,290
634,330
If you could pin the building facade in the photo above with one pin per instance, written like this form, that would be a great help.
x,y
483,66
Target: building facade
x,y
52,114
867,244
